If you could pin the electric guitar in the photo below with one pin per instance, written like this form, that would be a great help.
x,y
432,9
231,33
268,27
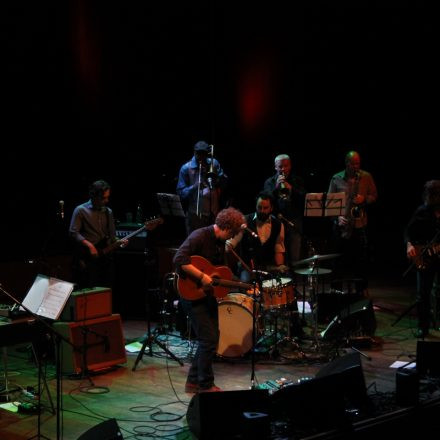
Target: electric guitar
x,y
425,255
105,249
191,289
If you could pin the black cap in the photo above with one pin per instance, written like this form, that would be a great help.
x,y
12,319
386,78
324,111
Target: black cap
x,y
202,146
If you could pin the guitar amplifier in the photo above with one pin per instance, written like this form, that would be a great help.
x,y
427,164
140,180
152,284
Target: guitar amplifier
x,y
88,304
136,244
101,338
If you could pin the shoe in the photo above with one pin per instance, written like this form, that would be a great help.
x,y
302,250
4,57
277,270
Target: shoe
x,y
213,389
191,387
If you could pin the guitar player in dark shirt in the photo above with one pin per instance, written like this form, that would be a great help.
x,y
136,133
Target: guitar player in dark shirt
x,y
209,243
92,229
422,238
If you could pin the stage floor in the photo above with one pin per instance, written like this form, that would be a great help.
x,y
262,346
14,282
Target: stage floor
x,y
152,400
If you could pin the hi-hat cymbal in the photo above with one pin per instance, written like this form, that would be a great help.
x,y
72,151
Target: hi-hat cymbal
x,y
315,258
313,271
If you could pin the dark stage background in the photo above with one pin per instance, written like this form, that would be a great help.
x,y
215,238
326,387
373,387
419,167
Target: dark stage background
x,y
122,92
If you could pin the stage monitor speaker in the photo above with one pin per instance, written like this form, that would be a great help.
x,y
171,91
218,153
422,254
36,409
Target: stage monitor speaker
x,y
407,387
357,318
222,415
314,404
108,430
428,358
330,303
348,368
102,338
325,402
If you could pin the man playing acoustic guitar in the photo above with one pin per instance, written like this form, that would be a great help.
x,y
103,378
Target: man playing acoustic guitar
x,y
197,287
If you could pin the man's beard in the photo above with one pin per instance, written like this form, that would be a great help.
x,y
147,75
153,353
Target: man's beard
x,y
262,216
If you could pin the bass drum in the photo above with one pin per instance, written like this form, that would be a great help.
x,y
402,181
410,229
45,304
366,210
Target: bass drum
x,y
235,324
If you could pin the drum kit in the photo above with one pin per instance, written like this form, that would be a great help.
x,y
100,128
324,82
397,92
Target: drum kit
x,y
273,300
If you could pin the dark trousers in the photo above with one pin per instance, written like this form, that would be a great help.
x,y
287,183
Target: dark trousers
x,y
203,314
93,272
425,283
354,259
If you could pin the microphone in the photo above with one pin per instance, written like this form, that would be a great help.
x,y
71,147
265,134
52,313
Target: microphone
x,y
244,226
211,172
61,203
210,183
281,217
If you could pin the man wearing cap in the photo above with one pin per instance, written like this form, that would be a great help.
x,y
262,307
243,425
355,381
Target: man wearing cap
x,y
200,183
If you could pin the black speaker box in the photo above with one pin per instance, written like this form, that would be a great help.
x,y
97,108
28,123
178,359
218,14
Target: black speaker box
x,y
428,358
222,415
407,387
352,385
329,304
108,430
354,319
321,403
312,404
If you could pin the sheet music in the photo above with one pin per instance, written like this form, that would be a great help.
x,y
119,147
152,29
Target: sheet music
x,y
170,204
313,205
335,204
47,296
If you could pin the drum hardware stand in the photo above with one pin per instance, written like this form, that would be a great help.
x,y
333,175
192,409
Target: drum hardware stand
x,y
256,282
152,337
288,338
313,284
345,342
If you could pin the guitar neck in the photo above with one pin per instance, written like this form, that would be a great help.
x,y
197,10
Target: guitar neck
x,y
132,234
229,283
116,244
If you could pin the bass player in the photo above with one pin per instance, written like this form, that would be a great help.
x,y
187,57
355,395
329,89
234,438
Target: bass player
x,y
92,228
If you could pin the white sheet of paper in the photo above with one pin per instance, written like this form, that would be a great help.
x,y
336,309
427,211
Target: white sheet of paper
x,y
399,364
47,296
307,308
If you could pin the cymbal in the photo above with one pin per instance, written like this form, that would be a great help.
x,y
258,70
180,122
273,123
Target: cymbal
x,y
313,271
315,258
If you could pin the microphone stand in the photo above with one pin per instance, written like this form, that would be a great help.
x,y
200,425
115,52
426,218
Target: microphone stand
x,y
199,184
256,281
58,338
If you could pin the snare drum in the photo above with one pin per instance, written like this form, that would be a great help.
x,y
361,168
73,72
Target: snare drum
x,y
235,324
278,292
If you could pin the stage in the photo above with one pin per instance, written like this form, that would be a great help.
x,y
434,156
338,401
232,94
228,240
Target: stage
x,y
150,402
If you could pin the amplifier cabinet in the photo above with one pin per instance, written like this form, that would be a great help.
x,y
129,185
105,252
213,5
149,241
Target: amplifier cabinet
x,y
100,339
88,304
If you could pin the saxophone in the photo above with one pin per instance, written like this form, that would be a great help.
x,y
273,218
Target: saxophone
x,y
352,211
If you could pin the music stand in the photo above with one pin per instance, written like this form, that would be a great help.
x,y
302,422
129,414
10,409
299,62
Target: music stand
x,y
320,205
170,204
324,204
46,299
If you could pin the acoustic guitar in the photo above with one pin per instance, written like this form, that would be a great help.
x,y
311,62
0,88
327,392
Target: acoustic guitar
x,y
191,289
